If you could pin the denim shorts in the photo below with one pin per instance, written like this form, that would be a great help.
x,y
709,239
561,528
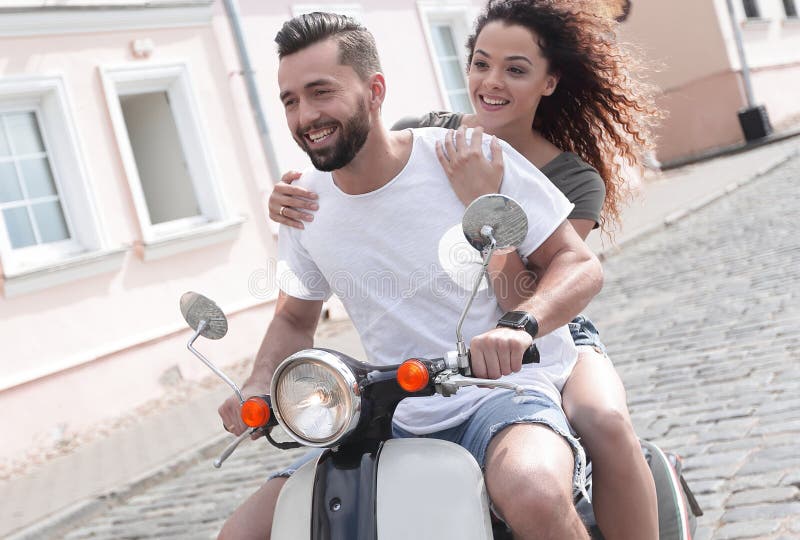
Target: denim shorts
x,y
585,334
494,414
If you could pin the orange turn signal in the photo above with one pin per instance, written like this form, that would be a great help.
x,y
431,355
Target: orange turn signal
x,y
412,375
255,412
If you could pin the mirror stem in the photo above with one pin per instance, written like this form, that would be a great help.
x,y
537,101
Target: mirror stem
x,y
211,366
461,347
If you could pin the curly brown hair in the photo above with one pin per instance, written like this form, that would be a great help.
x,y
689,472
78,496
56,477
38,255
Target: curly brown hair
x,y
599,110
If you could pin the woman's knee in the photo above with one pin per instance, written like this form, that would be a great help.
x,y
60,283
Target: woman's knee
x,y
606,428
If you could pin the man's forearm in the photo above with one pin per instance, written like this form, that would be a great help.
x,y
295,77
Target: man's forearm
x,y
566,287
284,337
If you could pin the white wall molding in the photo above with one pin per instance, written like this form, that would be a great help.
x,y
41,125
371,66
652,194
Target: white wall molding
x,y
212,233
350,9
80,267
107,17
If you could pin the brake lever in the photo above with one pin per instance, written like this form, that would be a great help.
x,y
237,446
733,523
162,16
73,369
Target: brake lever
x,y
450,383
231,447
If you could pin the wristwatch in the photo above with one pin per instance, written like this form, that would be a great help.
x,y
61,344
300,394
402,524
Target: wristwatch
x,y
520,320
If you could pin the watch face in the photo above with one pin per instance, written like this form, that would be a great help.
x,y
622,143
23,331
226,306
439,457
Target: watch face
x,y
521,320
515,318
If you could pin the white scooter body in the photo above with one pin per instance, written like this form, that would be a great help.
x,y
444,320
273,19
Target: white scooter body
x,y
420,483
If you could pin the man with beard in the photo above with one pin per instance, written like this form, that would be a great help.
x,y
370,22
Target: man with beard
x,y
387,206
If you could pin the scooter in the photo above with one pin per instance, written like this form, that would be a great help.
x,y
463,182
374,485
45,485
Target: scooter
x,y
367,485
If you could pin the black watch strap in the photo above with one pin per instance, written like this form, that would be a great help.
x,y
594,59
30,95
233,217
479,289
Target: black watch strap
x,y
520,320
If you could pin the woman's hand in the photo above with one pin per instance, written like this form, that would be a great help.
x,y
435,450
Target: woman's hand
x,y
286,203
470,173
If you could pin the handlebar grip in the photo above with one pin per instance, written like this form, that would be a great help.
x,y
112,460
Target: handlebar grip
x,y
531,356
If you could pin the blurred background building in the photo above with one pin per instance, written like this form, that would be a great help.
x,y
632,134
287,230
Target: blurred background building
x,y
138,146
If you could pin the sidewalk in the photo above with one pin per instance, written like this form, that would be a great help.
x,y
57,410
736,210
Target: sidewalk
x,y
669,196
95,475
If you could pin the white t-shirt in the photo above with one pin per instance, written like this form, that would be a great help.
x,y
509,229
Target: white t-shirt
x,y
399,262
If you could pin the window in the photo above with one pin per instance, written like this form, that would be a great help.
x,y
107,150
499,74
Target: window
x,y
160,160
790,8
47,213
751,9
29,198
166,158
446,29
451,67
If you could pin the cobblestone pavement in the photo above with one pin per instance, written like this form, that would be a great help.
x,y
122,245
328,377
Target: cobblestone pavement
x,y
701,320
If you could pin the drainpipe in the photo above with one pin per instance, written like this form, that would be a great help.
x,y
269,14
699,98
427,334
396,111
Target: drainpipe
x,y
737,37
252,90
753,120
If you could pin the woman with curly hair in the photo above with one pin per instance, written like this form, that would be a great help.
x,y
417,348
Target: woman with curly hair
x,y
549,78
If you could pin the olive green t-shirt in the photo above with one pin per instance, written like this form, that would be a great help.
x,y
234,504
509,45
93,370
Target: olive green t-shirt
x,y
576,179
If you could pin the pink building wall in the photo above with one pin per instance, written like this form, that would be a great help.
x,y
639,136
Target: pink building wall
x,y
79,354
122,330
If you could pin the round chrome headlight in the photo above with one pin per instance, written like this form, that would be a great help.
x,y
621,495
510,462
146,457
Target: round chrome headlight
x,y
315,397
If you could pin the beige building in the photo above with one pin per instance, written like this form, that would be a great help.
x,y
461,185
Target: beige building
x,y
700,72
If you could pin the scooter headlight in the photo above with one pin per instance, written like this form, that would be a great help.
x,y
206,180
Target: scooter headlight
x,y
315,397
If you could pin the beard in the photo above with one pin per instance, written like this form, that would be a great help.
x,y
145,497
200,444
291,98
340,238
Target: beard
x,y
353,135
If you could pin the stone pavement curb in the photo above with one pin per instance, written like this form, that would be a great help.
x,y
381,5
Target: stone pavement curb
x,y
674,217
73,515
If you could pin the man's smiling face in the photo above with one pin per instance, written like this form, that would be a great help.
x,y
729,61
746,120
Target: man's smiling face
x,y
325,104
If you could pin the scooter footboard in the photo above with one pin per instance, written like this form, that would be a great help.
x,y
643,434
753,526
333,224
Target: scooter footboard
x,y
430,489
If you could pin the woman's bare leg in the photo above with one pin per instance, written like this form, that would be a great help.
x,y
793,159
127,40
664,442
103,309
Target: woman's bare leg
x,y
253,519
624,494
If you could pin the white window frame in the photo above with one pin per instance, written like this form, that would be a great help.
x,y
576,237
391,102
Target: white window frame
x,y
459,16
215,222
84,254
40,253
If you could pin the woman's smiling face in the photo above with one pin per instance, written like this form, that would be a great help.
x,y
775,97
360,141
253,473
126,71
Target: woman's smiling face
x,y
508,76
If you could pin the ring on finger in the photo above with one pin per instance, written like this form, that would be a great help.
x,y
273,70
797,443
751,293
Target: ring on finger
x,y
282,210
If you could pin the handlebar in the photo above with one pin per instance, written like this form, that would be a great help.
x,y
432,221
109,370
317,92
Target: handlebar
x,y
531,356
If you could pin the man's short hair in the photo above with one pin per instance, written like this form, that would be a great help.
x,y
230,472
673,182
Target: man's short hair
x,y
356,44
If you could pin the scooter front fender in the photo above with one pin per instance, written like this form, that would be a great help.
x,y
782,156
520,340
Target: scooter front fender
x,y
430,489
426,489
292,519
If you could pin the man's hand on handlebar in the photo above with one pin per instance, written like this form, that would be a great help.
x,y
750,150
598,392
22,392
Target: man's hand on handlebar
x,y
230,410
498,352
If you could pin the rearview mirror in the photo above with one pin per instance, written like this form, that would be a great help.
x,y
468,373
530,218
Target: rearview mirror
x,y
495,216
195,308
